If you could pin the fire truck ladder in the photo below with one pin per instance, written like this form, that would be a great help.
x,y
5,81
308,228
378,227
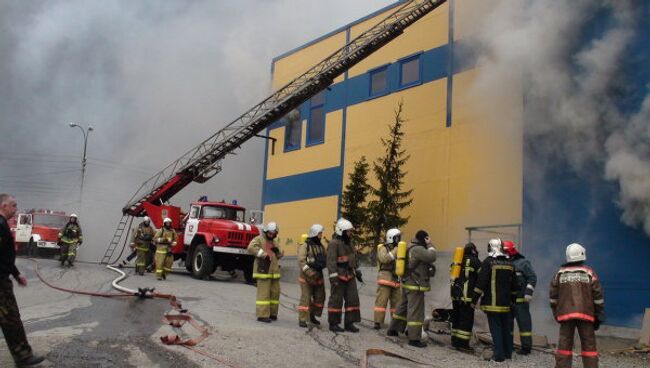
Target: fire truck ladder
x,y
115,241
204,160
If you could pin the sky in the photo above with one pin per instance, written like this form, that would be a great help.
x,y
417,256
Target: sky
x,y
153,79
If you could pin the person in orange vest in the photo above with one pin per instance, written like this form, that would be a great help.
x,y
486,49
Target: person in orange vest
x,y
387,281
266,271
578,302
312,259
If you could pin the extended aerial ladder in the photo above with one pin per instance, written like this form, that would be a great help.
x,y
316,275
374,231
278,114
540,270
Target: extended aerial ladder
x,y
204,160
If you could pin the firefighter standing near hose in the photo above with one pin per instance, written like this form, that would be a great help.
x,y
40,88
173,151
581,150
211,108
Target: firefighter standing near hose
x,y
266,271
387,280
343,268
141,240
70,237
165,240
577,302
419,269
462,291
526,281
497,287
312,259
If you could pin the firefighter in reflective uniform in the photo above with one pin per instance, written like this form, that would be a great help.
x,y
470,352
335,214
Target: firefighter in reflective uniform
x,y
497,287
165,239
70,237
526,281
343,268
266,271
577,301
312,259
419,269
387,280
462,291
141,240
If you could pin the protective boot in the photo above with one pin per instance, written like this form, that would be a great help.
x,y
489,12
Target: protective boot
x,y
302,324
336,328
418,343
351,328
313,320
28,362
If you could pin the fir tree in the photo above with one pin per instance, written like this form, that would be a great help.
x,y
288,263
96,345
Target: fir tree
x,y
389,198
353,200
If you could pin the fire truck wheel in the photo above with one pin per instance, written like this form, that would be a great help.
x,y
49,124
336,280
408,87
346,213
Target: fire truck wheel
x,y
202,262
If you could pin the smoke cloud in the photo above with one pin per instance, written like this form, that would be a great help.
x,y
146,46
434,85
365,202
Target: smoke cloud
x,y
576,79
153,79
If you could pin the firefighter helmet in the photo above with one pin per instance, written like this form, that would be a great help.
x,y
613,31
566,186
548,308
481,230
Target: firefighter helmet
x,y
342,225
510,248
315,229
575,253
271,227
73,215
495,248
393,236
146,219
167,220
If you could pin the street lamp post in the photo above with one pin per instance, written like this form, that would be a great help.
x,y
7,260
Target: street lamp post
x,y
86,133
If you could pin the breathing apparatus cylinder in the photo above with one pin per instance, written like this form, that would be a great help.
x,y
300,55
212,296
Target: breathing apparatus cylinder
x,y
454,272
400,264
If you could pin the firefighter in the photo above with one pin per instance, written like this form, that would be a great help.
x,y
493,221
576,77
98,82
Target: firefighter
x,y
343,268
496,286
526,282
165,239
10,322
312,259
266,271
70,237
141,240
462,292
577,301
419,269
387,281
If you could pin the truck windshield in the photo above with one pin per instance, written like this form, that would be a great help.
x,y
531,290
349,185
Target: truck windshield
x,y
222,213
50,220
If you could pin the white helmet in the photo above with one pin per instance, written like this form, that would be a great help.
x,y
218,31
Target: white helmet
x,y
166,220
146,219
391,235
342,225
271,226
315,229
495,248
575,253
73,215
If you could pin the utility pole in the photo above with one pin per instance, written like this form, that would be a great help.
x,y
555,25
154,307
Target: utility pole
x,y
86,133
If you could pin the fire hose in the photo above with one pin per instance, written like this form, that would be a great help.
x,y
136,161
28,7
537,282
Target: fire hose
x,y
174,320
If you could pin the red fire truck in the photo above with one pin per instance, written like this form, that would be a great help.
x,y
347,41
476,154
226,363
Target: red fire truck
x,y
210,234
36,231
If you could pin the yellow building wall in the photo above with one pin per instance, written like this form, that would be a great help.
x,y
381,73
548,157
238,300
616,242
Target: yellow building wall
x,y
316,157
427,33
291,66
295,219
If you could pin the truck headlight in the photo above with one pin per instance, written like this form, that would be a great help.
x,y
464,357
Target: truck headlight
x,y
216,239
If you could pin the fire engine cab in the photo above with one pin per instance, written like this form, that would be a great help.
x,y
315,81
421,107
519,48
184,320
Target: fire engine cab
x,y
36,231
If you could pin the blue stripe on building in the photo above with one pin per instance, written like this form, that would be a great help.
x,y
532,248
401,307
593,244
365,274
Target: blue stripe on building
x,y
315,184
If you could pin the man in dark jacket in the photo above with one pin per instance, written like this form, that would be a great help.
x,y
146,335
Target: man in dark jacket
x,y
419,269
12,326
462,291
526,282
497,288
577,302
343,268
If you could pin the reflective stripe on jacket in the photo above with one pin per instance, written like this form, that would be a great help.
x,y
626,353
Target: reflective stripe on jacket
x,y
496,285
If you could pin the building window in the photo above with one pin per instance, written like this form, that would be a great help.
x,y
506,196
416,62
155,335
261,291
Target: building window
x,y
316,124
379,81
409,71
292,134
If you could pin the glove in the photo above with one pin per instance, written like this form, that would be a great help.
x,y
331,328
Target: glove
x,y
276,250
528,298
597,324
359,275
